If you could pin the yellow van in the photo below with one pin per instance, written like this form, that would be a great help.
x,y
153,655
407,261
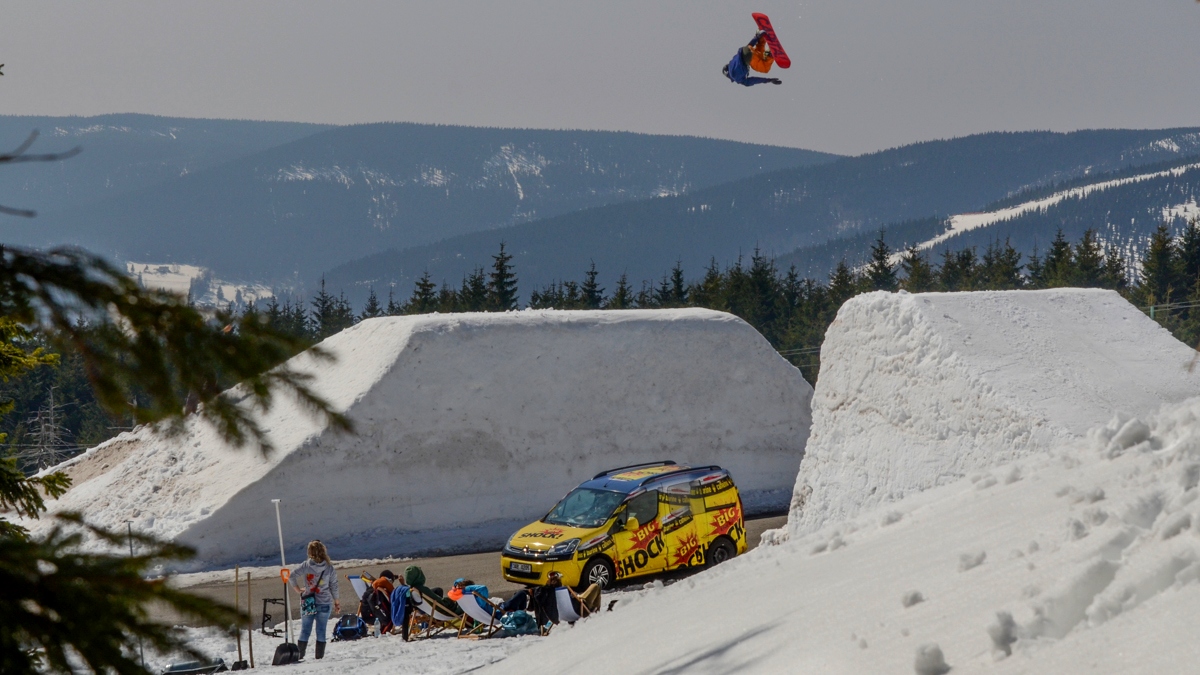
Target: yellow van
x,y
628,522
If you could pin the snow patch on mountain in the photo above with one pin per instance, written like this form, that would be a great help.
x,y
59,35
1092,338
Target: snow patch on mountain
x,y
966,222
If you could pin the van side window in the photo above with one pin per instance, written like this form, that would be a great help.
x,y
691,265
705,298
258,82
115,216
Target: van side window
x,y
644,507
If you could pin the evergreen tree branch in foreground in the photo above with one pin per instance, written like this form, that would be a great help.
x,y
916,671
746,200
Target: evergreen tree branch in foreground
x,y
146,351
62,606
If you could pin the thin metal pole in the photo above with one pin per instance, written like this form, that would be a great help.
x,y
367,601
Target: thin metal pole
x,y
287,604
237,587
250,618
129,528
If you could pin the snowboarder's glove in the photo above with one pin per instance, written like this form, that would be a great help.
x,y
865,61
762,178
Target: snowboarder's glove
x,y
776,80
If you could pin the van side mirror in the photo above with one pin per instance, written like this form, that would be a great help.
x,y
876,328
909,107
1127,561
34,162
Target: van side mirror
x,y
632,524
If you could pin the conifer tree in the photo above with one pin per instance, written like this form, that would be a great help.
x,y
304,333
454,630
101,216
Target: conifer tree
x,y
1058,269
502,283
1157,283
709,291
1036,270
622,297
591,292
1089,261
918,273
394,308
449,300
843,285
958,270
473,296
424,296
324,309
881,272
372,309
1000,268
1189,254
1116,271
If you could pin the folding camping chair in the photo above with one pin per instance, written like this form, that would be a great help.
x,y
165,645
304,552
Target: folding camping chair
x,y
356,582
437,617
482,617
566,608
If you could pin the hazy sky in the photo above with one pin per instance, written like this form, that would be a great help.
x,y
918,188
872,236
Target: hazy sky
x,y
866,74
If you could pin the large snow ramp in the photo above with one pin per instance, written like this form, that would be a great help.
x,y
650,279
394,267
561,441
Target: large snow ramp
x,y
467,425
917,390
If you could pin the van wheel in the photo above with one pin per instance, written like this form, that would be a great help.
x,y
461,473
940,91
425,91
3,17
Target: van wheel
x,y
598,571
721,550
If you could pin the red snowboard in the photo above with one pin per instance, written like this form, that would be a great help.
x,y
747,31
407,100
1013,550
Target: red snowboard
x,y
764,24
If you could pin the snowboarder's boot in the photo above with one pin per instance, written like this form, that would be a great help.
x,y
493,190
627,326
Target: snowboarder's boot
x,y
303,645
320,650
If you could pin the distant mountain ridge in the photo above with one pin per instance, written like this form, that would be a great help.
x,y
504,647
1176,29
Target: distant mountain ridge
x,y
308,204
122,153
780,211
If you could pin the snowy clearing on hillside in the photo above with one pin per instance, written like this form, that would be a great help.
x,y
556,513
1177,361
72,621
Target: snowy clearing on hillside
x,y
966,222
468,426
205,289
917,390
1081,559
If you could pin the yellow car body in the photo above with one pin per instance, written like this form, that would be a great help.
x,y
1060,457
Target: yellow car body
x,y
630,522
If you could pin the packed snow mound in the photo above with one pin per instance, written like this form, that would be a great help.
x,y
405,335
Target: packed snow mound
x,y
1082,558
917,390
468,425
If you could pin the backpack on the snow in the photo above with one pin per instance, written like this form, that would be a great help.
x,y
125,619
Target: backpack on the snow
x,y
349,627
517,622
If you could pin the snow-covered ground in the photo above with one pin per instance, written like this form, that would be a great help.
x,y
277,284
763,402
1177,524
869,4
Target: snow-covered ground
x,y
1040,458
468,426
917,390
206,289
1081,559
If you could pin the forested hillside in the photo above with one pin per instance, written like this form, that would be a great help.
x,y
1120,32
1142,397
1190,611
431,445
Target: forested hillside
x,y
781,211
305,206
1124,208
121,153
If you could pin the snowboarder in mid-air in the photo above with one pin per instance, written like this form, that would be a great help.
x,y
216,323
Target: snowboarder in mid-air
x,y
753,56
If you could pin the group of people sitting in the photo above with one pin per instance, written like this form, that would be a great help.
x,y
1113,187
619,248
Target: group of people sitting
x,y
397,606
392,602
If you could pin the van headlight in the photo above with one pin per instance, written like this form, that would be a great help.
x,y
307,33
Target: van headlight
x,y
509,547
566,548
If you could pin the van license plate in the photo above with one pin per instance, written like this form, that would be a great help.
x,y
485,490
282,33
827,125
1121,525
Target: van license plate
x,y
520,567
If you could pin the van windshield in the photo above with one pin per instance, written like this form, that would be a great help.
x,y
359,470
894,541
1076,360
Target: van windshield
x,y
585,507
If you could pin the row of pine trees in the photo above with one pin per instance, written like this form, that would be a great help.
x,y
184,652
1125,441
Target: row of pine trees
x,y
793,312
790,311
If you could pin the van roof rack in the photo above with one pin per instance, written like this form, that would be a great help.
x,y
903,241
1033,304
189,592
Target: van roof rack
x,y
602,474
658,477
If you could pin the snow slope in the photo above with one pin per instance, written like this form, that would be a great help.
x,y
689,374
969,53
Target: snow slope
x,y
468,425
1083,558
920,390
970,221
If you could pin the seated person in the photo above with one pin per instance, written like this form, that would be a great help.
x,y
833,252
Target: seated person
x,y
519,600
415,577
380,599
589,598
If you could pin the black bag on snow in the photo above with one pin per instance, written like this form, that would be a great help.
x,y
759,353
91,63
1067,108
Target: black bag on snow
x,y
349,627
286,653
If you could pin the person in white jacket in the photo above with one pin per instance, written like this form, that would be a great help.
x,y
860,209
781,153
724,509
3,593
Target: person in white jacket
x,y
316,582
